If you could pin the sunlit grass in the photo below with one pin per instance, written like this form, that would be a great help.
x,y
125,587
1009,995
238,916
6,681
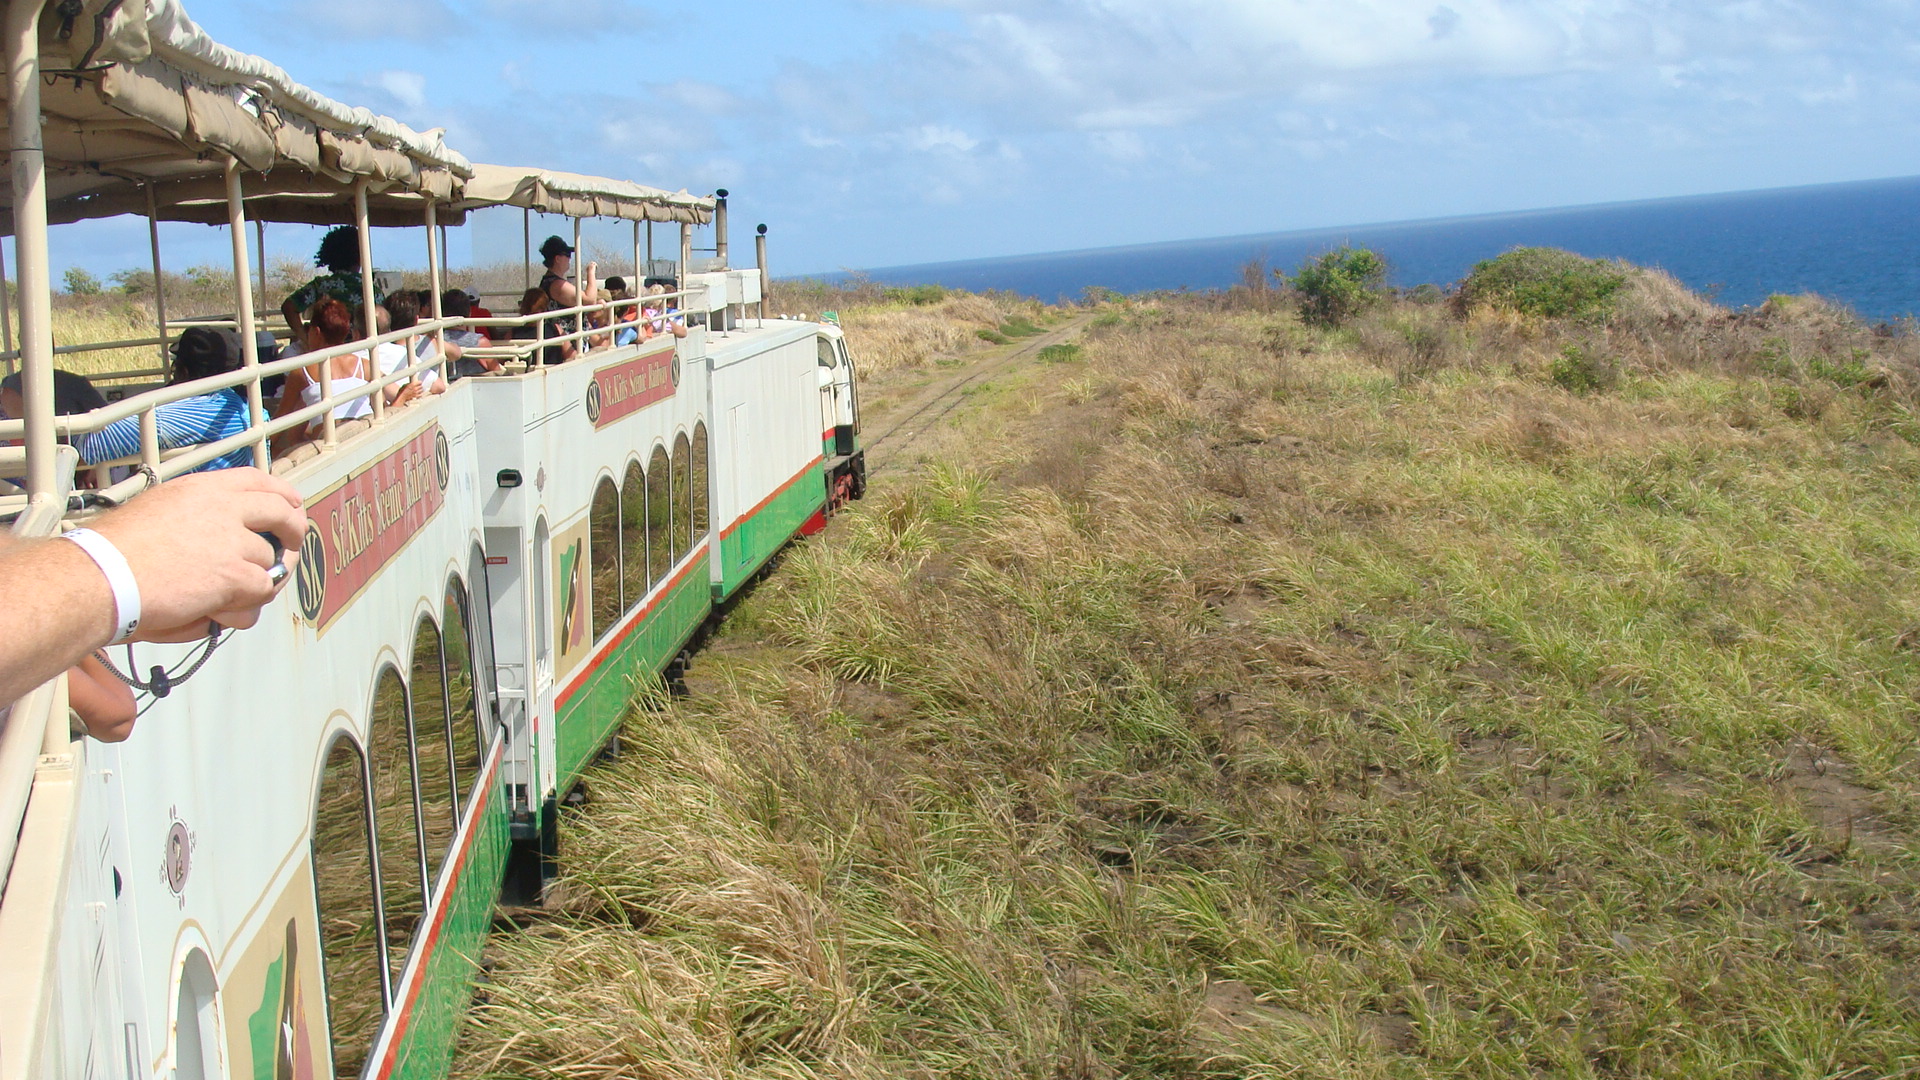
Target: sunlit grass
x,y
1271,703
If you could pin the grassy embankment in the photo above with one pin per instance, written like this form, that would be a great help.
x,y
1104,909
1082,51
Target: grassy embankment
x,y
1448,694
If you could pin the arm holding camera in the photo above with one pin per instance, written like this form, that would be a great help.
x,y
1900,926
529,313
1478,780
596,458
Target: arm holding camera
x,y
191,550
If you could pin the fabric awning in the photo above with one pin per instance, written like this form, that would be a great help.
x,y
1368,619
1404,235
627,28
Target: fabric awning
x,y
144,95
575,195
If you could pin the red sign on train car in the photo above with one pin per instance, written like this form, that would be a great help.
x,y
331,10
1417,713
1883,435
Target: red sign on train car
x,y
359,526
625,389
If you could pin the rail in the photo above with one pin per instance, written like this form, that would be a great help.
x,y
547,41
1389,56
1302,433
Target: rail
x,y
156,465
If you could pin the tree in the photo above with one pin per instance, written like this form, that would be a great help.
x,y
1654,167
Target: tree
x,y
81,283
1337,285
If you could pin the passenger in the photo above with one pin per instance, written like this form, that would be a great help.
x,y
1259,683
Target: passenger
x,y
663,316
479,311
328,324
403,313
340,254
201,352
458,304
72,395
557,255
533,302
627,313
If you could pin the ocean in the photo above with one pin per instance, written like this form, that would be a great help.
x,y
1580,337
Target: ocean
x,y
1857,243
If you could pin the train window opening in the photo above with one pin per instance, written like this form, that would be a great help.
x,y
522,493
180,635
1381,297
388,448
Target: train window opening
x,y
348,896
434,751
196,1022
396,818
702,513
659,514
463,693
828,358
682,497
480,636
633,536
603,553
542,607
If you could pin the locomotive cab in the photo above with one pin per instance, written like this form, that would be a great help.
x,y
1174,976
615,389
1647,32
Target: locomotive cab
x,y
840,421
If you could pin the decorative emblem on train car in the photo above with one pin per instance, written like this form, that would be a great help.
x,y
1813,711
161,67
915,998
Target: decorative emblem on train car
x,y
177,863
620,391
363,522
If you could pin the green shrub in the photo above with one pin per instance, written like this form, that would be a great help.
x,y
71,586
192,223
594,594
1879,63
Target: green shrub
x,y
992,337
1337,285
1545,282
1059,354
915,295
1018,327
1106,320
79,282
1582,371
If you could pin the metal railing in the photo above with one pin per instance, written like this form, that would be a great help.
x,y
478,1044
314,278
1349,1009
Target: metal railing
x,y
156,465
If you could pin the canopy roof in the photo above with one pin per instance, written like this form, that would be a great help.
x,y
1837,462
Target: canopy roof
x,y
575,195
145,96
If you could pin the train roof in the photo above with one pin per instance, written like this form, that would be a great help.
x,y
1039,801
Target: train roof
x,y
550,191
141,95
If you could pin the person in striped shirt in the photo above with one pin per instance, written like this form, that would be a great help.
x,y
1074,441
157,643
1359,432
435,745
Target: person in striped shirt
x,y
201,352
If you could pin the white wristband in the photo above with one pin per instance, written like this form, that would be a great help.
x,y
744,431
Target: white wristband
x,y
126,591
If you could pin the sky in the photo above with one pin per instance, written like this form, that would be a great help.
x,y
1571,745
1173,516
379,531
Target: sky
x,y
887,132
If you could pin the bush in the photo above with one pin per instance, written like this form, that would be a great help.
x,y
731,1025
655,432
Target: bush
x,y
1337,285
991,337
1059,354
915,295
81,283
1582,371
1545,282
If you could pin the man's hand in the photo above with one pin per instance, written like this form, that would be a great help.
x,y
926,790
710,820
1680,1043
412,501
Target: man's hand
x,y
195,547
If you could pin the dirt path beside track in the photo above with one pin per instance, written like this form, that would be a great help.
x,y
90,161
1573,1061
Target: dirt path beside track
x,y
900,426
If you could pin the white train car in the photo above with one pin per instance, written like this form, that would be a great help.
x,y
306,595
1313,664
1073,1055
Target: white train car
x,y
291,866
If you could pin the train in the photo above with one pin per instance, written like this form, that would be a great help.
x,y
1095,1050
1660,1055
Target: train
x,y
291,867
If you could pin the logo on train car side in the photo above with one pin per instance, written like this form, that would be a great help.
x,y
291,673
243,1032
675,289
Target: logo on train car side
x,y
359,526
624,389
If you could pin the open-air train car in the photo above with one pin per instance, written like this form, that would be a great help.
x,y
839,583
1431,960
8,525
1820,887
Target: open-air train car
x,y
290,868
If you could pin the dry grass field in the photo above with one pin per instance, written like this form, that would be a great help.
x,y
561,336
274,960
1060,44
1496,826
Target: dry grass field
x,y
1455,693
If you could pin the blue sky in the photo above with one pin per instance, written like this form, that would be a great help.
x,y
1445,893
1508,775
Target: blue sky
x,y
879,132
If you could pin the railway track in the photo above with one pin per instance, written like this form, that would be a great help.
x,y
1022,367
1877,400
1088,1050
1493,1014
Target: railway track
x,y
925,410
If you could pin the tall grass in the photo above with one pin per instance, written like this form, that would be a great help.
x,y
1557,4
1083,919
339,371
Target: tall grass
x,y
1276,702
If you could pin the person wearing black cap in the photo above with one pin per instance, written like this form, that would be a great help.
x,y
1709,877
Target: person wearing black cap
x,y
201,352
72,395
557,255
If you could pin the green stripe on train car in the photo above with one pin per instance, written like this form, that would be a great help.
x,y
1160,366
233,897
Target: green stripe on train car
x,y
433,1027
753,540
593,713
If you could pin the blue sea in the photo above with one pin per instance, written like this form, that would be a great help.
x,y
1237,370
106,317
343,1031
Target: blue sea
x,y
1857,243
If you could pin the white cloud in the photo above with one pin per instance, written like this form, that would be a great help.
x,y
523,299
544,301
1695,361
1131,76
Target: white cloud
x,y
938,138
409,88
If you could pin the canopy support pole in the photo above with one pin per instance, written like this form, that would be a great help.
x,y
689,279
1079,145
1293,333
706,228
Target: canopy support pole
x,y
368,317
29,159
243,308
639,275
6,313
649,249
436,252
526,250
260,244
580,345
159,279
686,264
